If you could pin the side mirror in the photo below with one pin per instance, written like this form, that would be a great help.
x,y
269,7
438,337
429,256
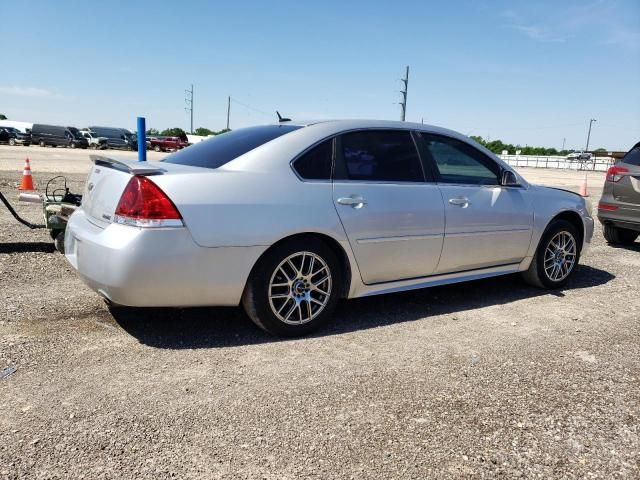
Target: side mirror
x,y
509,179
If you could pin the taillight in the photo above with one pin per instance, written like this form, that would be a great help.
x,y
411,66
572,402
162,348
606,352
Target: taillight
x,y
614,174
607,207
143,204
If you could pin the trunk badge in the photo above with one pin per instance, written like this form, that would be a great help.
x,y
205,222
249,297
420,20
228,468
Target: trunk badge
x,y
90,186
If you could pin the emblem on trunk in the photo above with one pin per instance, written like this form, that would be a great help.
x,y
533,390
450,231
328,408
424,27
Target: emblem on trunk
x,y
90,186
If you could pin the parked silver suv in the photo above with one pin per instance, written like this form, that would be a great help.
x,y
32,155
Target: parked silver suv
x,y
619,207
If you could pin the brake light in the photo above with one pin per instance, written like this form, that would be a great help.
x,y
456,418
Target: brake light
x,y
144,204
607,207
614,174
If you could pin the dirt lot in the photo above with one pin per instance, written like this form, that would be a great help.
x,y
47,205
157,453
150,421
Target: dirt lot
x,y
486,379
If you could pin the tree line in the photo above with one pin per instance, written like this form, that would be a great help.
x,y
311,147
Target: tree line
x,y
497,146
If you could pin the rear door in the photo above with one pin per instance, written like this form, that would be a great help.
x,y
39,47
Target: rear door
x,y
393,218
486,224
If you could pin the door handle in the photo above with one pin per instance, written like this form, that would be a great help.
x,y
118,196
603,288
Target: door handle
x,y
460,202
353,201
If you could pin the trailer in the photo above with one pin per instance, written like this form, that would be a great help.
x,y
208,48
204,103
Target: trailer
x,y
58,204
24,127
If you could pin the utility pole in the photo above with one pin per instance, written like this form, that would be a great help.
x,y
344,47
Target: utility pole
x,y
228,110
563,141
403,104
189,101
589,134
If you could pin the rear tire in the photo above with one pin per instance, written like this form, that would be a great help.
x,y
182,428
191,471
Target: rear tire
x,y
294,287
157,148
619,236
42,144
556,257
12,142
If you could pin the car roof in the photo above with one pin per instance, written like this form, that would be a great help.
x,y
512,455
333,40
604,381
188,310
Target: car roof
x,y
349,124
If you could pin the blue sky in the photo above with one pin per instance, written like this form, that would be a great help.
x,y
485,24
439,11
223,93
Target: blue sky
x,y
526,72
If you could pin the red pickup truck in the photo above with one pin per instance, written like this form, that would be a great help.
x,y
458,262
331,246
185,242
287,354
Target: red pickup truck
x,y
162,144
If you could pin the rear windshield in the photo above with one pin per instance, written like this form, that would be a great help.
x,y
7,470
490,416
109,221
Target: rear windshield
x,y
633,156
221,149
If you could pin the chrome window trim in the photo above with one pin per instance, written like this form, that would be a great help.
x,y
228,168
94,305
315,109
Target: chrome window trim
x,y
381,182
307,150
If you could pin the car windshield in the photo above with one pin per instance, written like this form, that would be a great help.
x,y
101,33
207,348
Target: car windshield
x,y
75,132
221,149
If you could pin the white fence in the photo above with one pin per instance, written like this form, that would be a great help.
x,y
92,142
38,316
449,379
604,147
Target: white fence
x,y
598,164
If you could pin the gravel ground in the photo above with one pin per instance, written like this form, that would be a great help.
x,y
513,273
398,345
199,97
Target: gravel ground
x,y
480,380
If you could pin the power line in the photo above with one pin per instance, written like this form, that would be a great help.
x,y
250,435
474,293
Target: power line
x,y
270,115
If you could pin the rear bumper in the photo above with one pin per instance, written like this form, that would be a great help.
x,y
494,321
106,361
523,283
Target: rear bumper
x,y
626,215
620,223
156,267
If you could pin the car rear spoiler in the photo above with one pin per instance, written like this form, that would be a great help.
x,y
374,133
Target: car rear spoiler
x,y
128,166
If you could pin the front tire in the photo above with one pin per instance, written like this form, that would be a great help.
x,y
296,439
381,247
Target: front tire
x,y
294,287
41,143
619,236
12,142
157,148
556,257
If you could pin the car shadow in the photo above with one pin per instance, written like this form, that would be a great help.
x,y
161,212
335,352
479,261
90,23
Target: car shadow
x,y
215,327
26,247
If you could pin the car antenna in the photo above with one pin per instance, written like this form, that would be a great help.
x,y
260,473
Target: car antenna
x,y
281,119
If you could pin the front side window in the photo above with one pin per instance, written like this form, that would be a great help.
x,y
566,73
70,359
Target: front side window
x,y
221,149
380,156
460,163
316,163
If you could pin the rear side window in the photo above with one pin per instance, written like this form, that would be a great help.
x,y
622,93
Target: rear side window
x,y
221,149
633,156
380,156
316,163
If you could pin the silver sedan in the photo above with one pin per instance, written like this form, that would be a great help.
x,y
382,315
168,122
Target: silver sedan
x,y
287,219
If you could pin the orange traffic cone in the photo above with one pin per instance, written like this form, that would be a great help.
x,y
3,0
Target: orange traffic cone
x,y
27,179
583,187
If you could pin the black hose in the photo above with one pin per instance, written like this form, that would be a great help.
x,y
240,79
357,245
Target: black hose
x,y
17,217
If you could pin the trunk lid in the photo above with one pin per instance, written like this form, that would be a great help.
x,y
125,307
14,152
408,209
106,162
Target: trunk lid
x,y
107,180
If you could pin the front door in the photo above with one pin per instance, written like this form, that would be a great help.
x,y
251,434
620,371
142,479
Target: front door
x,y
486,224
393,218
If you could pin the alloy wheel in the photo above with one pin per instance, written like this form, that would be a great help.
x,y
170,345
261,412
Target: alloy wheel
x,y
300,288
560,256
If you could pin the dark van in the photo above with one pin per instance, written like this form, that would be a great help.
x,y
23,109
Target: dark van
x,y
119,138
55,135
